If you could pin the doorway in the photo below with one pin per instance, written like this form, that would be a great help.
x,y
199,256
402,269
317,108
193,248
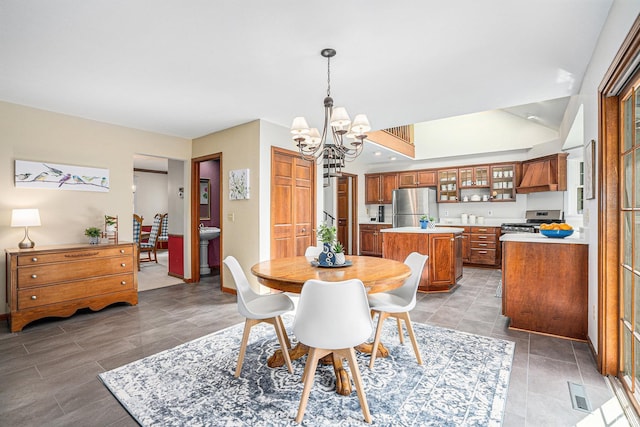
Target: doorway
x,y
206,211
347,211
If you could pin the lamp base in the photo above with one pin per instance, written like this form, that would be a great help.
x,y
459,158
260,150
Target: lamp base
x,y
26,243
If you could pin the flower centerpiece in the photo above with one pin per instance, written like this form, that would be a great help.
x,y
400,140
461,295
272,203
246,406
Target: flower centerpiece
x,y
93,233
327,235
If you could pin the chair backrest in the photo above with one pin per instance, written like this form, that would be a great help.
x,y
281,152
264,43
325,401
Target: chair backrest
x,y
163,235
313,251
155,229
243,289
333,315
409,288
137,228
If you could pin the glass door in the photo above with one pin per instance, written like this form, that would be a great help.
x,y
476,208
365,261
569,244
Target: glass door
x,y
630,241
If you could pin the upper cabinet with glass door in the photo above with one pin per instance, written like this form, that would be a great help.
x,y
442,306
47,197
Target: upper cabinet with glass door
x,y
474,176
503,182
448,185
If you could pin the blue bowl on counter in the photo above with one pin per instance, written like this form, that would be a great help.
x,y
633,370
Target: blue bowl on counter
x,y
557,234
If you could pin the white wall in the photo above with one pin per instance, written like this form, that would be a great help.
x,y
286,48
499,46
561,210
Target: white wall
x,y
621,17
151,195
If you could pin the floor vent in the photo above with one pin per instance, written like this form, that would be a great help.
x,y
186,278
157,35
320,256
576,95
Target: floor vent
x,y
579,398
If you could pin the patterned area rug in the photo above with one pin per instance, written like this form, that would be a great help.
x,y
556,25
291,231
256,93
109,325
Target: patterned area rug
x,y
463,382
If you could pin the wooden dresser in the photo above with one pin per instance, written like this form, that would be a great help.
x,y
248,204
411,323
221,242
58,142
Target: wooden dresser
x,y
56,281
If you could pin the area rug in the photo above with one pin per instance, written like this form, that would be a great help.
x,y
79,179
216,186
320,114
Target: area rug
x,y
463,382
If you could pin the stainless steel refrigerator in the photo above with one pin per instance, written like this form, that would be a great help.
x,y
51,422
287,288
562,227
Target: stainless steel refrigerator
x,y
409,204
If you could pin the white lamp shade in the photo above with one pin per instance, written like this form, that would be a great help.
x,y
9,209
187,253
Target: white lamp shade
x,y
340,118
313,138
25,217
360,124
299,126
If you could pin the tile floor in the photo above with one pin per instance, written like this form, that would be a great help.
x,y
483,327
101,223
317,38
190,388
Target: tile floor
x,y
48,372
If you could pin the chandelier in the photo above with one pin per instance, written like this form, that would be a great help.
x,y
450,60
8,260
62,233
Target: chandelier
x,y
347,137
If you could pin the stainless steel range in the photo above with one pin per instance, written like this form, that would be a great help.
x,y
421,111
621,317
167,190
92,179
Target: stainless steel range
x,y
534,219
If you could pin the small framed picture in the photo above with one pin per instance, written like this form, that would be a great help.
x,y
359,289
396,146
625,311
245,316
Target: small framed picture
x,y
589,169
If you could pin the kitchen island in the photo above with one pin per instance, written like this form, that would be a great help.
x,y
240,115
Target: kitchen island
x,y
443,245
545,283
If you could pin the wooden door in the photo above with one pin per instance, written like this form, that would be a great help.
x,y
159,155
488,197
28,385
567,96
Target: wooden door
x,y
292,203
343,213
441,259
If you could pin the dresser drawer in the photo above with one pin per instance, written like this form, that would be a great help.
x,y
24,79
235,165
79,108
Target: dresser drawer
x,y
483,256
64,292
61,272
73,255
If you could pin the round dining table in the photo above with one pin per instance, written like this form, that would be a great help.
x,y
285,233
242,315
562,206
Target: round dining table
x,y
290,273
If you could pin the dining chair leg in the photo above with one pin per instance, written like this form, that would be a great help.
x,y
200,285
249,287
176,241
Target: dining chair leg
x,y
350,355
412,335
281,334
376,341
310,372
248,324
286,336
400,334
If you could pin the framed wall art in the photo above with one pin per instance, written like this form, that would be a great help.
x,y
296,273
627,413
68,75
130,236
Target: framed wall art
x,y
205,198
60,177
239,184
589,169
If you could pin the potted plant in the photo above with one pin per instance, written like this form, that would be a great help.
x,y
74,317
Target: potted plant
x,y
110,223
424,221
327,235
338,249
94,234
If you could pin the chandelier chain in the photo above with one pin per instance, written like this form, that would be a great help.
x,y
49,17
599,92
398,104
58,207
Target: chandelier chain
x,y
329,76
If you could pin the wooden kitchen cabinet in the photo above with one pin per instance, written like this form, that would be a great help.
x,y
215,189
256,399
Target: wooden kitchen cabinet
x,y
421,178
448,185
474,176
484,246
444,266
371,239
504,180
545,287
379,188
56,281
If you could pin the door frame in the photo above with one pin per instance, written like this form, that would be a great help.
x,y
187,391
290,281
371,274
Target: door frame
x,y
608,197
195,217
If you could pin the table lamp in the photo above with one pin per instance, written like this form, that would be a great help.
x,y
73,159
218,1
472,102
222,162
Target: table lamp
x,y
25,218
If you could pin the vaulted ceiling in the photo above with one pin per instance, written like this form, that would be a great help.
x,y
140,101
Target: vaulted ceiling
x,y
189,68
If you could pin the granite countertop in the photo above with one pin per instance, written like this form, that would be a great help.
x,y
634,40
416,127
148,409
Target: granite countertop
x,y
576,238
437,230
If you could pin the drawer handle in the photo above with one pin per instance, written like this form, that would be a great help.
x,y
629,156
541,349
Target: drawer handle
x,y
123,265
304,229
34,259
81,255
482,237
482,244
121,251
482,229
482,252
34,297
123,282
34,276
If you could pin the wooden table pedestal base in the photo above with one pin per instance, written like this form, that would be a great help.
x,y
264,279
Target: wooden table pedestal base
x,y
343,382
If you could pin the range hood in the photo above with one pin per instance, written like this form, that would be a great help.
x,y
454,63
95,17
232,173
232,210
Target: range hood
x,y
548,173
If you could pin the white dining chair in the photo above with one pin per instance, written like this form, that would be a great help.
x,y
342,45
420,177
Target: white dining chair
x,y
332,317
398,303
259,308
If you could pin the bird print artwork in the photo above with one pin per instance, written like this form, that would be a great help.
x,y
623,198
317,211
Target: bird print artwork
x,y
64,179
39,174
42,176
54,171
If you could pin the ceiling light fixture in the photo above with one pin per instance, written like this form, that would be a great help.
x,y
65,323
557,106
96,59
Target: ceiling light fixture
x,y
335,150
